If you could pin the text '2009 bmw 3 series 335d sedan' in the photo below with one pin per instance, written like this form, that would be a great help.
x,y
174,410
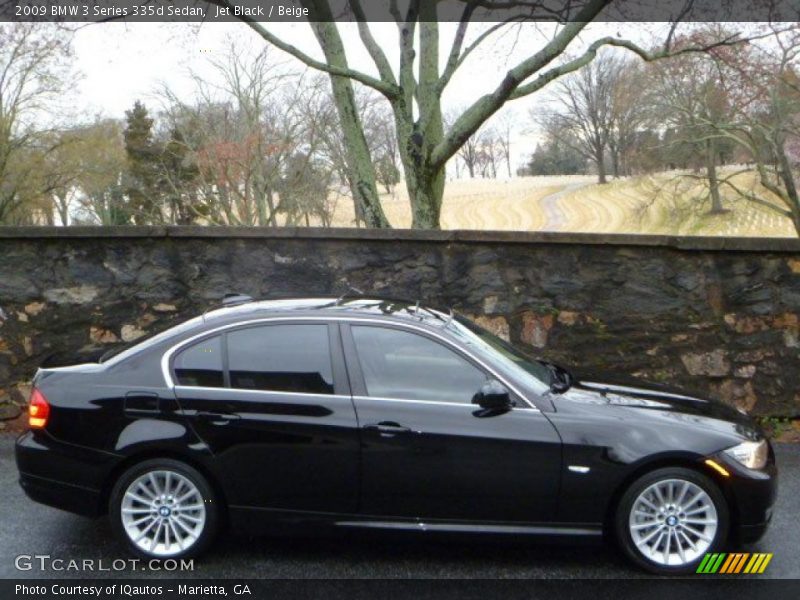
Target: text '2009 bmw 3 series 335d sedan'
x,y
385,414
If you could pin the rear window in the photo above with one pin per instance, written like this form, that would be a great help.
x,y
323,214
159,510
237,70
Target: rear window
x,y
125,351
201,364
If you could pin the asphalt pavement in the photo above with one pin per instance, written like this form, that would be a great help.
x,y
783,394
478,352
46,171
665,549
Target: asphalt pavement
x,y
28,529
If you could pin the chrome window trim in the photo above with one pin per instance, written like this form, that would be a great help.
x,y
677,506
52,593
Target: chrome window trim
x,y
435,402
262,392
170,352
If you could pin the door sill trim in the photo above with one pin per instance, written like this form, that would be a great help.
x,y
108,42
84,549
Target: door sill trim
x,y
568,530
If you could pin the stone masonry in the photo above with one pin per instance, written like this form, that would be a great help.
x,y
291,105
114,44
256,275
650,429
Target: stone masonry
x,y
717,316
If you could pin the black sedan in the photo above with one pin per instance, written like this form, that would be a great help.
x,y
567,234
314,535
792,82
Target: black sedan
x,y
373,413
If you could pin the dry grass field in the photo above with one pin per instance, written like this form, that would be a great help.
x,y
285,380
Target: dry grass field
x,y
666,205
477,204
654,205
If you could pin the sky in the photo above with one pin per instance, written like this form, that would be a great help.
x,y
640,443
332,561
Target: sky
x,y
119,63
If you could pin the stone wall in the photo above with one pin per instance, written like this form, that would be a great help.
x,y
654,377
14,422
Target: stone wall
x,y
717,316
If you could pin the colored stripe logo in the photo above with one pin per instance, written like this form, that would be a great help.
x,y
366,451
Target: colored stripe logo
x,y
734,563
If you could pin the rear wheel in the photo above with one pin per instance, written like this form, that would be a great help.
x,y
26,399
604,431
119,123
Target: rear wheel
x,y
163,508
670,518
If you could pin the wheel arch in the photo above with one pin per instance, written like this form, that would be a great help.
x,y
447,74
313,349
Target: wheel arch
x,y
156,453
686,461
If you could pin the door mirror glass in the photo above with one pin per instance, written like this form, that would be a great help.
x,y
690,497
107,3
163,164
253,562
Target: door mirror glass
x,y
493,395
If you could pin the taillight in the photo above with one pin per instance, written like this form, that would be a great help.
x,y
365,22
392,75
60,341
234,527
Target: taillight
x,y
39,410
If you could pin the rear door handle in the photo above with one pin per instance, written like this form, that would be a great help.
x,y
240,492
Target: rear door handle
x,y
219,418
388,428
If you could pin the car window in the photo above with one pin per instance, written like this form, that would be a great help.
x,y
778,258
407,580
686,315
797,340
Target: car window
x,y
501,355
406,366
281,358
200,364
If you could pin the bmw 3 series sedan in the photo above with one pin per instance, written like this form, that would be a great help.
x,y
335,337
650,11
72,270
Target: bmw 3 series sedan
x,y
382,414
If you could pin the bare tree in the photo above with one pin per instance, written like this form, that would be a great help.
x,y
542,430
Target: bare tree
x,y
489,151
469,153
766,119
629,114
241,133
689,95
33,72
415,89
584,113
505,126
100,173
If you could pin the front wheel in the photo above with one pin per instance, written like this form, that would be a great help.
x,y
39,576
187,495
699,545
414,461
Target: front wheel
x,y
163,508
670,518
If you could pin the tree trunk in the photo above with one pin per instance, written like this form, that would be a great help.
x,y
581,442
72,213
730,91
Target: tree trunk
x,y
615,163
787,177
271,221
62,205
600,159
359,162
426,200
711,174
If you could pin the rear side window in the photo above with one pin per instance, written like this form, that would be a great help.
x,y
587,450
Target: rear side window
x,y
406,366
201,364
281,358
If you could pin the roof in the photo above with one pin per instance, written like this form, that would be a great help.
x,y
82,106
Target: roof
x,y
373,306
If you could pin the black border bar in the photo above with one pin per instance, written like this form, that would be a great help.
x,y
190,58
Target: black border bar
x,y
275,11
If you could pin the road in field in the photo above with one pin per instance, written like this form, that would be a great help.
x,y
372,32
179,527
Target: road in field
x,y
29,528
555,219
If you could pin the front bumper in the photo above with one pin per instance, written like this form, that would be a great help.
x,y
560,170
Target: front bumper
x,y
62,475
751,495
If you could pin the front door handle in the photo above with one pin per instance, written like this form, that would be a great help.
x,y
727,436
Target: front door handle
x,y
388,428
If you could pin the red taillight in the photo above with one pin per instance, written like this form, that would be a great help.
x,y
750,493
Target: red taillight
x,y
38,411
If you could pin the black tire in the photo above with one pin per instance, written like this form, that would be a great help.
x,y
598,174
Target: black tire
x,y
622,515
212,512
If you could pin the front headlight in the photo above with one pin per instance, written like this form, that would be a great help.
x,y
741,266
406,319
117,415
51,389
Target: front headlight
x,y
752,455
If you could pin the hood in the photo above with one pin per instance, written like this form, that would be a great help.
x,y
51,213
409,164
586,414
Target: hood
x,y
658,398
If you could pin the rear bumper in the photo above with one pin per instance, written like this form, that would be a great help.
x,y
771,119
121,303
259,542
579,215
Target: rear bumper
x,y
62,475
62,495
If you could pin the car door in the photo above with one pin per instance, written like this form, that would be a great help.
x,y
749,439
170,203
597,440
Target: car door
x,y
427,451
272,402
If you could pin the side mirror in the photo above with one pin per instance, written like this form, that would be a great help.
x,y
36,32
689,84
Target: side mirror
x,y
493,395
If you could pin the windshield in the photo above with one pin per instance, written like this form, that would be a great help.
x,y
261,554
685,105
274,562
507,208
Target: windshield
x,y
501,354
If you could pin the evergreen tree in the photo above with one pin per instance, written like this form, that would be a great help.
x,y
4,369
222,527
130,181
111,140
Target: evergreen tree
x,y
556,158
144,157
180,178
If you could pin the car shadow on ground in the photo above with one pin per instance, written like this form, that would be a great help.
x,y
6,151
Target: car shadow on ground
x,y
357,554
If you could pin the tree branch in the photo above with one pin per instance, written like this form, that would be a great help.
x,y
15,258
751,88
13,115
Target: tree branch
x,y
750,197
375,51
591,53
387,89
488,104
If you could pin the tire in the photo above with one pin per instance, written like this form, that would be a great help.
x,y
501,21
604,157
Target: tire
x,y
163,525
698,520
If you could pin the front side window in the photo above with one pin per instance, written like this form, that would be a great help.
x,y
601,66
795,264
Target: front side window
x,y
406,366
501,355
200,364
281,358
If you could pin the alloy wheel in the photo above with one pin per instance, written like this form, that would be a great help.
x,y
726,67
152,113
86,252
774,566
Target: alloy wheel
x,y
673,522
163,512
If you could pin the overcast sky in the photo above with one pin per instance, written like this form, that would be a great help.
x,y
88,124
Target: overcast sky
x,y
122,62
